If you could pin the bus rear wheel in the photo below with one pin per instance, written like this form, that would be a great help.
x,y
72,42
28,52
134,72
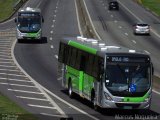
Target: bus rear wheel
x,y
70,91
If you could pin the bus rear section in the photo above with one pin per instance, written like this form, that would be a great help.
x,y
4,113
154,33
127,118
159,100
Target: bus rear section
x,y
108,79
29,23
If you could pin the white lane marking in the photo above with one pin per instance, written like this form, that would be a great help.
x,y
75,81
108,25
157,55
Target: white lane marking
x,y
56,7
54,20
39,87
31,98
51,32
91,20
12,75
52,26
67,103
4,59
60,78
8,21
39,4
5,56
52,46
5,47
9,70
19,85
51,38
39,106
138,18
18,80
5,41
103,4
134,41
56,56
115,21
147,52
77,14
126,34
23,91
156,92
112,16
120,27
55,16
6,62
46,114
55,11
5,51
8,66
130,11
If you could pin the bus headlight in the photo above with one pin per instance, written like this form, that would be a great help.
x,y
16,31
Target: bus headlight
x,y
107,96
147,99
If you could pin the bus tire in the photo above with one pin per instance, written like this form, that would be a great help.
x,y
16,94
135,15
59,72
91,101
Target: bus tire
x,y
19,40
70,91
95,106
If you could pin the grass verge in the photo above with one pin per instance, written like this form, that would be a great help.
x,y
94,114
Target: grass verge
x,y
10,110
6,8
153,5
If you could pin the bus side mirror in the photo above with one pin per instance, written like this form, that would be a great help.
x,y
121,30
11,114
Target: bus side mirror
x,y
15,20
152,70
42,19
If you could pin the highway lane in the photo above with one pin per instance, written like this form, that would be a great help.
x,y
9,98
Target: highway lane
x,y
39,58
118,31
40,61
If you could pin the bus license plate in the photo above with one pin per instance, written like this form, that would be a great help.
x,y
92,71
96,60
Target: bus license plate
x,y
127,107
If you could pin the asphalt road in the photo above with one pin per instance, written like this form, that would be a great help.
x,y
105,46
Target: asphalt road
x,y
39,59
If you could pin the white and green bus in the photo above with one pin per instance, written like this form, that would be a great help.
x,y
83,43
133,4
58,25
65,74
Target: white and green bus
x,y
108,76
29,23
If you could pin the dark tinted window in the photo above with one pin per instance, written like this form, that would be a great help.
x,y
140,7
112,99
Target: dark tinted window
x,y
73,57
61,53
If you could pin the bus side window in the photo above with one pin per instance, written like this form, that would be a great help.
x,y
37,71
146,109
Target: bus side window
x,y
89,64
83,61
78,59
73,57
61,53
95,71
66,47
69,55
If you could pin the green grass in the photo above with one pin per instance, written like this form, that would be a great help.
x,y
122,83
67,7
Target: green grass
x,y
9,109
153,5
6,8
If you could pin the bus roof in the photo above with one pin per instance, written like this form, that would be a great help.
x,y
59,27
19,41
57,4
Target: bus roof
x,y
29,9
98,47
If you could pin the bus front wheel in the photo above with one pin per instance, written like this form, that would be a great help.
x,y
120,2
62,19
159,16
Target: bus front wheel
x,y
93,100
70,91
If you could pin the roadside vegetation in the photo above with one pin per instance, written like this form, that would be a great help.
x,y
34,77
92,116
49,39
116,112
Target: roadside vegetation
x,y
6,8
11,111
153,5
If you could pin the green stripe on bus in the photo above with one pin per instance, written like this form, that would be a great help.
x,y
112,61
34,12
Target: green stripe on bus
x,y
135,99
81,76
82,47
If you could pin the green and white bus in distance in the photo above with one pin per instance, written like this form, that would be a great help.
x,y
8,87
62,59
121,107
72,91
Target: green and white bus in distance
x,y
108,76
29,23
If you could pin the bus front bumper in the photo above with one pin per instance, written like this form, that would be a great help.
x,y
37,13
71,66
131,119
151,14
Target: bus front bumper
x,y
126,105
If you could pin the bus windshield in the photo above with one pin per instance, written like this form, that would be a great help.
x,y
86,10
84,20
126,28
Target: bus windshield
x,y
29,24
127,79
